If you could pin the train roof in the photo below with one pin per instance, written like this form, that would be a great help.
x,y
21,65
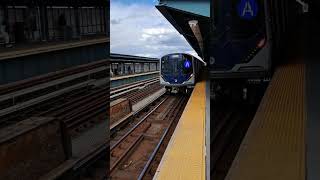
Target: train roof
x,y
180,53
186,54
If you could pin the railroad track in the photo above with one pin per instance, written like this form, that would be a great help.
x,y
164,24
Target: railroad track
x,y
78,98
141,94
118,131
154,160
123,88
137,95
5,89
67,95
35,110
79,109
135,151
83,112
231,123
94,165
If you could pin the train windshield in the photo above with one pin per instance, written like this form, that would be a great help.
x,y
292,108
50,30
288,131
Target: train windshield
x,y
176,64
239,19
240,31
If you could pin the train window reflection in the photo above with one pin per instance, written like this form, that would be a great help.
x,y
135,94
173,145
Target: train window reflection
x,y
176,64
169,65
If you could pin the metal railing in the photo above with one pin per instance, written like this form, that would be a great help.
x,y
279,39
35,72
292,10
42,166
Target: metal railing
x,y
51,23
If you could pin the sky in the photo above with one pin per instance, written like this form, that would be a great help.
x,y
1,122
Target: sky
x,y
138,28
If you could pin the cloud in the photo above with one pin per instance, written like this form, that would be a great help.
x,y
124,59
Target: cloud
x,y
139,29
115,21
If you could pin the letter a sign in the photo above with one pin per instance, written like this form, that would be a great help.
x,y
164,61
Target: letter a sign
x,y
247,9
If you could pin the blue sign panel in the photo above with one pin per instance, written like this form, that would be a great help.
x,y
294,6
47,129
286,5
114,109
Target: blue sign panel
x,y
187,64
247,9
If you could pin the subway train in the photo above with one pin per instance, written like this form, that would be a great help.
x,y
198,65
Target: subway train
x,y
237,38
247,35
179,71
247,43
242,41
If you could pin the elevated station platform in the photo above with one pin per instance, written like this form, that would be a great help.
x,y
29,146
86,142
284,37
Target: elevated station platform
x,y
40,58
283,139
185,157
274,146
44,48
126,69
21,50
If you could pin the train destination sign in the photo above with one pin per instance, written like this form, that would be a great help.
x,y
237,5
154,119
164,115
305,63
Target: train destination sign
x,y
247,9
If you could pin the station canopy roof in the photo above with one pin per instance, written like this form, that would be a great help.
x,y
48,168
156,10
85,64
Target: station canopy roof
x,y
129,58
180,12
78,3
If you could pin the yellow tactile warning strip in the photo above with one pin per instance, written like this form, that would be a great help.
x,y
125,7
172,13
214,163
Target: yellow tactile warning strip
x,y
184,157
274,146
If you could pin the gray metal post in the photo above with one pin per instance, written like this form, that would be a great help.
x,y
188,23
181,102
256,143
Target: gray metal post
x,y
77,21
44,23
134,68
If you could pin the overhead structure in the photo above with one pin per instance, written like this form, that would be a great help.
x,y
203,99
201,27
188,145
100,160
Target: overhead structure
x,y
231,36
305,6
197,33
190,18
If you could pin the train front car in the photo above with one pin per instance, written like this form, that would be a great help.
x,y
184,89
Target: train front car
x,y
240,46
177,72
